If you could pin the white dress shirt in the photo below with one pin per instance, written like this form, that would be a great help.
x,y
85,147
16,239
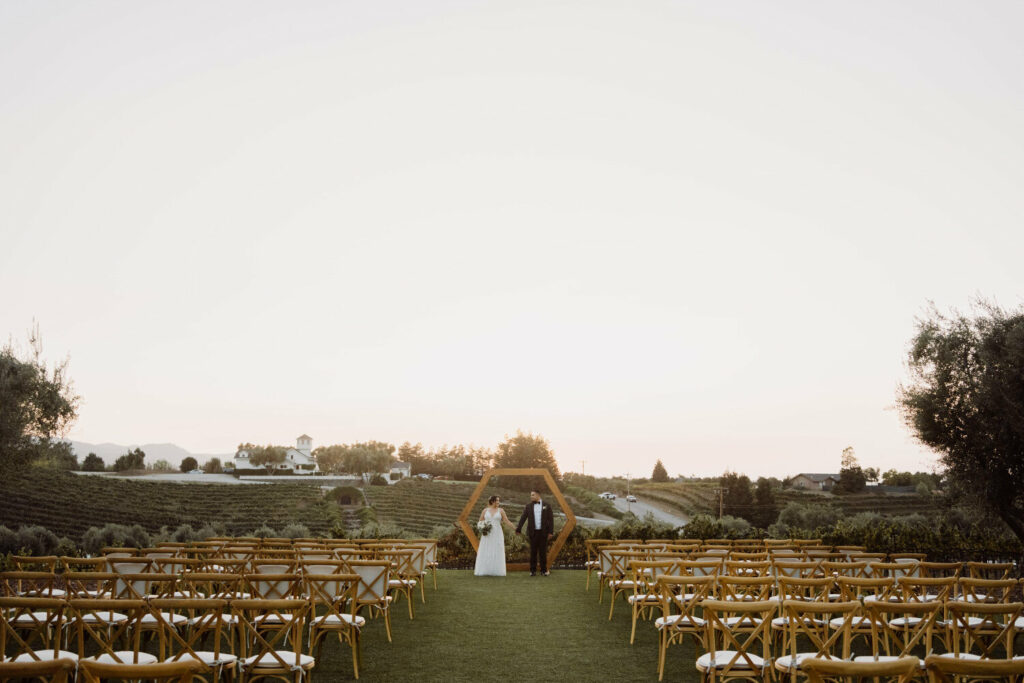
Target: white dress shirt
x,y
537,507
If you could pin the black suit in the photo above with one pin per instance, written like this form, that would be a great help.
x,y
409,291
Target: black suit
x,y
538,537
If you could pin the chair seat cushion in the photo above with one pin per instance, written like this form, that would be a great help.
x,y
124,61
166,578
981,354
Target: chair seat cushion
x,y
123,657
168,617
673,619
723,657
856,622
45,593
333,619
266,660
783,622
963,655
904,622
104,618
30,619
791,662
45,656
645,597
208,658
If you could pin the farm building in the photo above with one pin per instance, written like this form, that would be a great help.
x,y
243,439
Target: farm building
x,y
813,482
298,460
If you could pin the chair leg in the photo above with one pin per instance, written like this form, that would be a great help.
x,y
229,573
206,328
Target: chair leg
x,y
662,646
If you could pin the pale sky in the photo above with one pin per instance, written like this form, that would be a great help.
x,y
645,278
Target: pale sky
x,y
698,232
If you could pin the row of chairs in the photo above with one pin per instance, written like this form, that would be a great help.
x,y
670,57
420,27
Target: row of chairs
x,y
125,607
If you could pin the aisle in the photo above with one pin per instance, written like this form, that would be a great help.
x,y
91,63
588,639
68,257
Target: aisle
x,y
518,628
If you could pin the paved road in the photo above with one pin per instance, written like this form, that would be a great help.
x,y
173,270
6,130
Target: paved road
x,y
641,508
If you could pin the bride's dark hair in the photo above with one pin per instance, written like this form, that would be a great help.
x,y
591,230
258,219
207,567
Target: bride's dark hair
x,y
490,501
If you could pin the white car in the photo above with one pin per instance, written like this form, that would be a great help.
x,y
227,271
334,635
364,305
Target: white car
x,y
608,495
630,499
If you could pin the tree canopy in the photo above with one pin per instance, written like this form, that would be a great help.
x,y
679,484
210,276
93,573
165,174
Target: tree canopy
x,y
37,405
526,450
188,464
965,399
660,474
357,458
132,460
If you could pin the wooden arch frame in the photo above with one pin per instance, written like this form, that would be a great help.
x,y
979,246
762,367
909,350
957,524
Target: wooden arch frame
x,y
570,518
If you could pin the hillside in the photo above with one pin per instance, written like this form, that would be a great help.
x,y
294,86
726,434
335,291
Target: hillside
x,y
68,504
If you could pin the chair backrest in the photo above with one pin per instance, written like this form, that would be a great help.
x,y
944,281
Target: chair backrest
x,y
177,672
745,588
34,563
936,569
806,589
142,586
270,631
899,628
810,621
52,670
274,586
796,569
924,589
206,626
857,569
867,589
29,626
950,669
212,585
893,570
685,595
89,584
83,564
274,566
323,566
374,576
747,567
749,634
645,572
27,584
712,567
980,628
989,570
901,670
107,624
986,590
331,596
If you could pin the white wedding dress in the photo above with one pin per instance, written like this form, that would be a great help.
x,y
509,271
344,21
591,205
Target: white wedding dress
x,y
490,556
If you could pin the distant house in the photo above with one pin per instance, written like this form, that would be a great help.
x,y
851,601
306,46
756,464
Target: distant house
x,y
813,482
298,460
399,471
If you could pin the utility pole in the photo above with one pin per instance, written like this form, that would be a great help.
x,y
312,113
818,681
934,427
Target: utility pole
x,y
628,508
721,507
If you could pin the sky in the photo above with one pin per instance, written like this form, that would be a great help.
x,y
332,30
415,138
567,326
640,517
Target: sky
x,y
699,232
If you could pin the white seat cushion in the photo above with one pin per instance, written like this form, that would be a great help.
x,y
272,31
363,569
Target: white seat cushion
x,y
30,619
856,622
268,661
789,662
904,622
645,597
45,656
123,657
173,619
783,622
209,658
963,655
723,657
673,619
331,619
104,618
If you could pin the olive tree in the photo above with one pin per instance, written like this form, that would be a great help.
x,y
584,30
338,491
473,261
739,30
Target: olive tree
x,y
965,399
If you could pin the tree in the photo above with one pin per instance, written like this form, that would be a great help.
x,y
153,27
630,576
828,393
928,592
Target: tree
x,y
93,463
161,466
851,477
848,459
871,474
526,450
766,509
189,464
737,496
965,399
37,404
659,474
264,455
213,466
132,460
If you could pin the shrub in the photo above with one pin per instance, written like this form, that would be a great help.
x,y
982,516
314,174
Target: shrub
x,y
380,530
378,480
66,547
36,540
117,535
706,526
8,541
184,534
295,530
264,531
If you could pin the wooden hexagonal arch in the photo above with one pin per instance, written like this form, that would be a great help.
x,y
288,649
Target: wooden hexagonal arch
x,y
570,518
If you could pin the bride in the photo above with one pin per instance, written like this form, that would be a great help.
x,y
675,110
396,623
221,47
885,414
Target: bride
x,y
490,555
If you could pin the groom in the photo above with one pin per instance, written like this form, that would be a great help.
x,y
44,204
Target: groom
x,y
540,527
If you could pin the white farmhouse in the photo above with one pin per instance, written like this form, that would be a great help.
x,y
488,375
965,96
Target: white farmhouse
x,y
298,460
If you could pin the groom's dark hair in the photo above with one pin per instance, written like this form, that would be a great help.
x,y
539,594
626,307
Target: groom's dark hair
x,y
535,491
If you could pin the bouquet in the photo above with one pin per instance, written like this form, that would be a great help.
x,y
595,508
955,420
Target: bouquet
x,y
484,527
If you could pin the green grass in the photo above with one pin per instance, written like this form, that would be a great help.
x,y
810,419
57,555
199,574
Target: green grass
x,y
515,628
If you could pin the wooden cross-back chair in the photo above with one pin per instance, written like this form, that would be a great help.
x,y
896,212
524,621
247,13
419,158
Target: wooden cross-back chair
x,y
738,639
940,569
682,598
744,588
646,598
797,569
747,567
979,629
810,589
857,570
333,611
274,586
826,626
207,623
899,670
403,573
213,585
705,567
34,563
89,584
31,629
270,639
901,627
894,570
50,670
615,573
372,590
110,627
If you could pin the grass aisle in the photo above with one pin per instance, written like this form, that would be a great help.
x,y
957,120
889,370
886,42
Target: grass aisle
x,y
509,629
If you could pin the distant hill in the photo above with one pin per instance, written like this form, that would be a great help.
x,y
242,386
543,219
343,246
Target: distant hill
x,y
170,452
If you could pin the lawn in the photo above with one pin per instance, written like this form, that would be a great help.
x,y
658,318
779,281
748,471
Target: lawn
x,y
509,629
